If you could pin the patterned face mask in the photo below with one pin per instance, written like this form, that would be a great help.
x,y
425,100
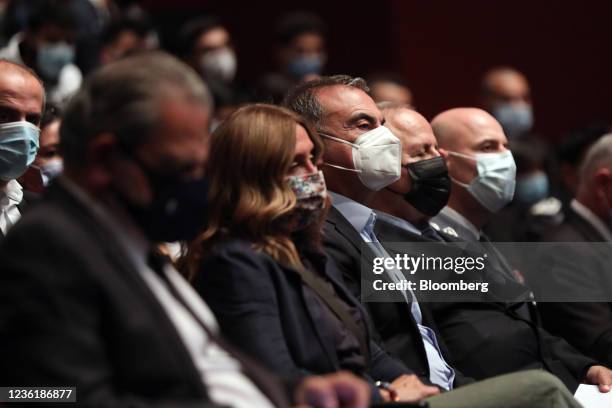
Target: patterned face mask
x,y
311,192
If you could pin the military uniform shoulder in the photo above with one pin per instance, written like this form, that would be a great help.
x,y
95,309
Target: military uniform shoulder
x,y
444,229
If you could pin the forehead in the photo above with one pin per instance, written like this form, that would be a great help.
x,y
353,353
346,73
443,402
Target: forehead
x,y
214,38
481,128
509,84
20,91
308,41
302,140
410,128
341,102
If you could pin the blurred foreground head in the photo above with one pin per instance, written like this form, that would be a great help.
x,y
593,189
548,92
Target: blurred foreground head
x,y
136,136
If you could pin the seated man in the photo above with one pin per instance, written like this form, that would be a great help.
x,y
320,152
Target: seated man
x,y
21,105
492,338
85,299
582,273
362,156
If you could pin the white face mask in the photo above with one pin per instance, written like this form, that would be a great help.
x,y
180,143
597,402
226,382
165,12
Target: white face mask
x,y
377,157
51,170
220,64
494,185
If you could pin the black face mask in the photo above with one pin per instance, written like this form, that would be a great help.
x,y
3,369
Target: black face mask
x,y
177,211
431,185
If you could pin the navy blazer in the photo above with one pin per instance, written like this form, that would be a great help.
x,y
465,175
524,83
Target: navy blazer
x,y
261,308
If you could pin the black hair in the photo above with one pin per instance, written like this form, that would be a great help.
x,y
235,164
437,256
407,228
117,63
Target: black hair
x,y
51,12
297,23
140,27
192,30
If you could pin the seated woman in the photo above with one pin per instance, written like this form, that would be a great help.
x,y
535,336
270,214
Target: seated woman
x,y
259,263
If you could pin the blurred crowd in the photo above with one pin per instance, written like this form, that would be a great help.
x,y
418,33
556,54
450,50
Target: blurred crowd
x,y
171,236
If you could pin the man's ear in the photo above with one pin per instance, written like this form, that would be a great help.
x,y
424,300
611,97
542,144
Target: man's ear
x,y
445,156
602,180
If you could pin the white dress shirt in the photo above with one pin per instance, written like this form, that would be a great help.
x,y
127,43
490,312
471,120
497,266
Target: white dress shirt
x,y
10,197
221,374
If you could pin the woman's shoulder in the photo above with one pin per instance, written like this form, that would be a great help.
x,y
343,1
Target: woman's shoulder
x,y
238,252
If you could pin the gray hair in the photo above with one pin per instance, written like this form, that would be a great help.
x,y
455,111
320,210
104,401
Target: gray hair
x,y
123,98
598,156
303,97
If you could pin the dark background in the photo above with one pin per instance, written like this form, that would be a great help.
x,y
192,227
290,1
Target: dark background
x,y
442,47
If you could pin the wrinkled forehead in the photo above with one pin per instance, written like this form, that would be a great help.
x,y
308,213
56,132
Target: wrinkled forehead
x,y
342,104
20,91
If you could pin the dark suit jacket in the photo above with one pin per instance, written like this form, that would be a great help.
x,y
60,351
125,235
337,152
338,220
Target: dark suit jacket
x,y
491,338
393,321
74,311
261,307
587,326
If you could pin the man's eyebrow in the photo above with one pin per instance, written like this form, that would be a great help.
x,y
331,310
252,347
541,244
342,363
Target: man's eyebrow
x,y
362,116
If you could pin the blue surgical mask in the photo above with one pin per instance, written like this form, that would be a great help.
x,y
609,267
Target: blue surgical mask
x,y
52,58
18,147
515,119
302,66
532,188
493,187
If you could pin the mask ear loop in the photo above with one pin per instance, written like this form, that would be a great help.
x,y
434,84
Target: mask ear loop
x,y
326,136
465,156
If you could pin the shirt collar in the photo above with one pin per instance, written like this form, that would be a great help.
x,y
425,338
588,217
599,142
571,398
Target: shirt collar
x,y
13,192
590,217
461,220
358,215
398,222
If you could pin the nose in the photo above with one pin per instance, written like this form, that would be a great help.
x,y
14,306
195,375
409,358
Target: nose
x,y
311,167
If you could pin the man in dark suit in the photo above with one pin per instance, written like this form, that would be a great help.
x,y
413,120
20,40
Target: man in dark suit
x,y
22,97
361,157
581,273
492,337
85,298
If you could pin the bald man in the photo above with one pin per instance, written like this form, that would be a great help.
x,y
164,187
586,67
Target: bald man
x,y
21,105
403,210
489,338
505,93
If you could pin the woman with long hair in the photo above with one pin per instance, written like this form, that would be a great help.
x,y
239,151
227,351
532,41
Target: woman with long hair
x,y
259,263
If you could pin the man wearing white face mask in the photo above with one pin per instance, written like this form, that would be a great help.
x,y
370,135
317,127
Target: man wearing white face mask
x,y
492,338
21,103
47,46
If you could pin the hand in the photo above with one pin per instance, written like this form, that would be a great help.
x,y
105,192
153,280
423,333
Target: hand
x,y
338,390
600,376
408,388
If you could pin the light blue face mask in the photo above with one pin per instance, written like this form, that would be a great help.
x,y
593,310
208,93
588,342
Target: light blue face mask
x,y
494,185
516,120
302,66
52,58
18,148
532,188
